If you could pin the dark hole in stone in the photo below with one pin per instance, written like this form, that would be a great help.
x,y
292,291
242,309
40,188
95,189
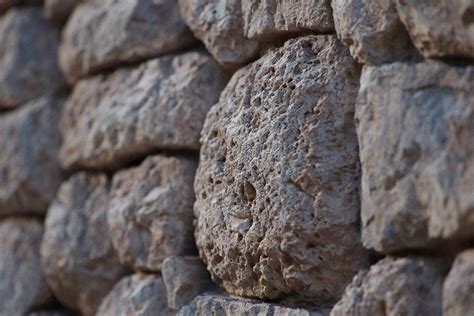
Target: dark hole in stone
x,y
247,192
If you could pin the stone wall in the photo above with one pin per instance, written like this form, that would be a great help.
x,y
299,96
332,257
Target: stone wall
x,y
236,157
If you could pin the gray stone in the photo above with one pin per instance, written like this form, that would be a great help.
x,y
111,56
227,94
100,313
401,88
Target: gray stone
x,y
417,155
29,169
136,295
22,284
161,104
58,11
7,4
277,186
440,28
52,312
102,34
458,288
28,67
151,211
185,278
394,286
372,30
77,256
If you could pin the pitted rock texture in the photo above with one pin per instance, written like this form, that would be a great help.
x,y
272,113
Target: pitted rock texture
x,y
440,28
102,34
394,286
52,312
22,284
29,168
77,256
7,4
215,304
458,288
58,11
136,295
28,67
372,30
161,104
150,213
417,154
277,185
185,278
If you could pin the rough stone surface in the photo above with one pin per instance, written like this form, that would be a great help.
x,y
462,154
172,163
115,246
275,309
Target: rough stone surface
x,y
372,30
185,278
277,185
136,295
151,211
106,33
214,304
7,4
52,312
58,11
394,286
28,67
458,288
417,154
161,104
22,284
440,28
77,256
29,169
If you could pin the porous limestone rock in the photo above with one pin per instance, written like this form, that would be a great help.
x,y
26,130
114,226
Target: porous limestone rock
x,y
102,34
22,284
136,295
277,186
29,168
372,30
58,11
161,104
394,286
150,213
458,288
77,256
28,67
440,28
185,278
417,154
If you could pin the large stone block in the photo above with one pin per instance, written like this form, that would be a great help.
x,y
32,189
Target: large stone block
x,y
415,126
22,283
102,34
161,104
29,168
151,211
28,67
277,186
77,256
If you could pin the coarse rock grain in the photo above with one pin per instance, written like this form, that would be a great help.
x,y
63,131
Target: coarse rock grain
x,y
102,34
77,256
150,212
394,286
277,186
29,168
58,11
458,288
22,284
417,154
28,67
112,120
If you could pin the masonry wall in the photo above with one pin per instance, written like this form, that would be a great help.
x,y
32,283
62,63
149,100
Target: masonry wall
x,y
236,157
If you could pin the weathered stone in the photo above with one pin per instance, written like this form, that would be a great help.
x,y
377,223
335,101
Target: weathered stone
x,y
151,211
106,33
440,28
161,104
28,67
77,256
458,288
29,169
394,286
277,185
138,294
58,11
417,154
7,4
372,30
214,304
22,284
185,278
52,312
